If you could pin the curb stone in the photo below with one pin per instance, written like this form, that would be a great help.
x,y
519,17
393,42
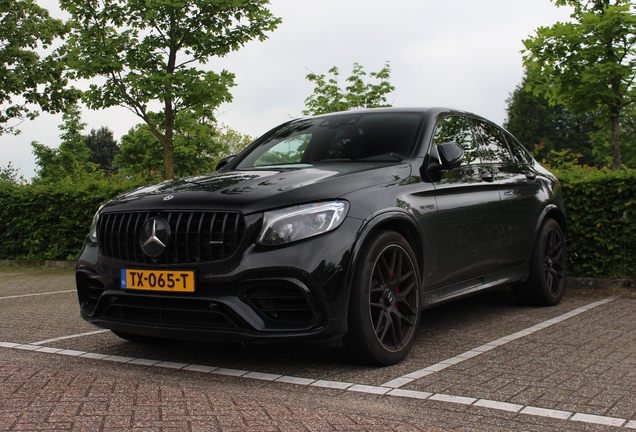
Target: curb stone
x,y
38,263
599,284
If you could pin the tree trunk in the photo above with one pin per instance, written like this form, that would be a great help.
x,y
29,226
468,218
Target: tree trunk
x,y
615,112
168,158
616,149
168,151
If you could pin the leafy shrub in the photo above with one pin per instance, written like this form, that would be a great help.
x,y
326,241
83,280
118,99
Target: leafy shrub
x,y
50,221
601,207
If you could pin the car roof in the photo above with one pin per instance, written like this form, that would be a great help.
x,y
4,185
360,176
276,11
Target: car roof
x,y
428,111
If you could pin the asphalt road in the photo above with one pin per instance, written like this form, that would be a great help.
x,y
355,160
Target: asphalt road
x,y
482,363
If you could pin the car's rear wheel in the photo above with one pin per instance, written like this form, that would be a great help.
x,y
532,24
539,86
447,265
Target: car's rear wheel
x,y
545,285
384,307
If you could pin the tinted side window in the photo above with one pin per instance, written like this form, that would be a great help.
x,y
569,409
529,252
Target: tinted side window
x,y
493,147
520,153
456,129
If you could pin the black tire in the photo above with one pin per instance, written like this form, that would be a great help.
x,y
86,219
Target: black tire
x,y
384,306
137,338
545,285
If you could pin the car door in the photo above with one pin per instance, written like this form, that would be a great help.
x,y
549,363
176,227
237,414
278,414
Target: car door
x,y
523,200
468,206
518,190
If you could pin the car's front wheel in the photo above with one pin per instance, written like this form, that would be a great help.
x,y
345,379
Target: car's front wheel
x,y
384,307
546,283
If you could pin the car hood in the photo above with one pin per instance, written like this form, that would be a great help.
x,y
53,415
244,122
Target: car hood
x,y
257,190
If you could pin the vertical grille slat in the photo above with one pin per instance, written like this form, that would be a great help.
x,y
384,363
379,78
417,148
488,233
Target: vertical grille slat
x,y
128,241
120,234
232,239
199,236
176,237
170,219
187,237
110,222
223,236
196,236
135,235
211,238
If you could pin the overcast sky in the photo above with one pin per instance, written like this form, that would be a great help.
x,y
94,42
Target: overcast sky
x,y
458,53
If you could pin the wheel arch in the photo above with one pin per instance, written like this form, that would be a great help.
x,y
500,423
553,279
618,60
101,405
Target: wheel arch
x,y
546,269
400,222
551,212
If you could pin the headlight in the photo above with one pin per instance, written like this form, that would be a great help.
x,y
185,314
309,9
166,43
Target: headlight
x,y
300,222
92,233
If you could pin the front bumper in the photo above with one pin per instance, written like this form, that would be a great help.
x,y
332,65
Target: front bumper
x,y
293,292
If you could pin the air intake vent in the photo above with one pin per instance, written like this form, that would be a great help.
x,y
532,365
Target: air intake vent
x,y
173,311
195,237
89,290
281,304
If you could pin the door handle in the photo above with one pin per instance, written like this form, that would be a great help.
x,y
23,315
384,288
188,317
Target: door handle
x,y
531,176
486,176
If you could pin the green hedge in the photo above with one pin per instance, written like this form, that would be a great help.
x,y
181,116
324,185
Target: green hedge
x,y
600,206
50,221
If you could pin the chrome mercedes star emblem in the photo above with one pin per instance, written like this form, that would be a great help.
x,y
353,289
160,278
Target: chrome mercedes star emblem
x,y
154,236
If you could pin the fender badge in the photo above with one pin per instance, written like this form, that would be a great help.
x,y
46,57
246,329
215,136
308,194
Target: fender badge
x,y
168,197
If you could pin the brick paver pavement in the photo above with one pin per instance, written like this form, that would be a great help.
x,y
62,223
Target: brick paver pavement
x,y
34,400
580,370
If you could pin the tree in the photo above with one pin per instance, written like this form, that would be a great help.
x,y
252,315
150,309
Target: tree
x,y
147,51
546,128
141,153
25,30
230,141
588,65
11,175
628,140
329,97
70,159
103,147
601,141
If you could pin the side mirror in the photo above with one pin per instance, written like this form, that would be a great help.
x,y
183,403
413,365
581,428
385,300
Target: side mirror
x,y
451,155
223,162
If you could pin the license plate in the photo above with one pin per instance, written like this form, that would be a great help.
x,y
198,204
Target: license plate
x,y
158,280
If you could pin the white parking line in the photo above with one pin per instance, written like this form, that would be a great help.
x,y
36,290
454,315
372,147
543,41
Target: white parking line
x,y
37,294
342,386
420,373
69,337
379,391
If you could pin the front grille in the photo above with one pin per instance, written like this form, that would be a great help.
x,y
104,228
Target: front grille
x,y
195,237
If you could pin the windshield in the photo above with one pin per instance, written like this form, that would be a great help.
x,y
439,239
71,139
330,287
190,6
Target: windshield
x,y
342,138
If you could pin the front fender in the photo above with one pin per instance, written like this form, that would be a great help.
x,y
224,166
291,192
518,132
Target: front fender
x,y
397,220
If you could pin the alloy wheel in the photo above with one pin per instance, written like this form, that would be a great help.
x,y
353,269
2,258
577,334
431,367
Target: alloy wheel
x,y
393,298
